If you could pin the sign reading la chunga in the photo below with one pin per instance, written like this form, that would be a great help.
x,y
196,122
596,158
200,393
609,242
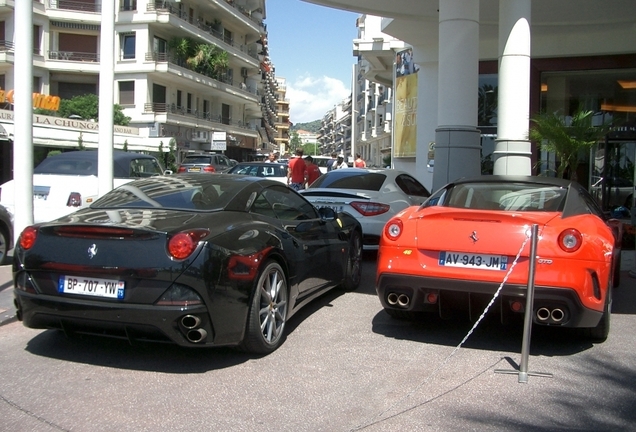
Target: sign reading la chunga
x,y
47,102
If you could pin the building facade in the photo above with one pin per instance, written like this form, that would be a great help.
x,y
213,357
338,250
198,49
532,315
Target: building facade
x,y
183,70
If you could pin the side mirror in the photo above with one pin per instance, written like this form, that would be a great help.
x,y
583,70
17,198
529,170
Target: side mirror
x,y
327,213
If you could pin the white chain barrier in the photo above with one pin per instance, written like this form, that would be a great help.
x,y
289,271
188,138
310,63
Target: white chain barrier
x,y
379,417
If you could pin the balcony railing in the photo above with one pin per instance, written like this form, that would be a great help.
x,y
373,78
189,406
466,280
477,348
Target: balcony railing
x,y
74,56
6,45
75,5
162,57
161,108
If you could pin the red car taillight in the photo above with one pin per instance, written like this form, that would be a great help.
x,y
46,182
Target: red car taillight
x,y
181,245
366,208
28,237
570,240
393,229
208,168
74,199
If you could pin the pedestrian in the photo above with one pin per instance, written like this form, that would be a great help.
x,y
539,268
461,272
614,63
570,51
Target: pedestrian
x,y
359,162
332,162
340,163
313,172
297,171
271,157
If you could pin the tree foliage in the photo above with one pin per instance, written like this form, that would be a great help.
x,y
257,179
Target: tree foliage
x,y
85,107
202,58
294,142
566,139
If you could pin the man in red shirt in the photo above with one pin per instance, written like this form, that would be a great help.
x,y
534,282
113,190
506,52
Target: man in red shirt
x,y
296,173
313,172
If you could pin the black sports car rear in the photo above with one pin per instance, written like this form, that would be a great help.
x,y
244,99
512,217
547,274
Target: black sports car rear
x,y
194,260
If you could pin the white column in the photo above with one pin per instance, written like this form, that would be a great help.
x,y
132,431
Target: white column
x,y
513,153
457,141
106,96
23,117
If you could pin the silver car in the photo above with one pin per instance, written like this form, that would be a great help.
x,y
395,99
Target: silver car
x,y
372,196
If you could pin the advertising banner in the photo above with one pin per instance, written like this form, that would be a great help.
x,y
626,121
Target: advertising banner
x,y
405,118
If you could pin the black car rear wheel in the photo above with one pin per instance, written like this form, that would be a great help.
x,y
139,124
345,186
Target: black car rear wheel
x,y
354,263
4,246
268,312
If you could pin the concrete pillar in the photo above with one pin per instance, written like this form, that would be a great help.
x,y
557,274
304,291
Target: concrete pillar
x,y
106,97
457,141
513,153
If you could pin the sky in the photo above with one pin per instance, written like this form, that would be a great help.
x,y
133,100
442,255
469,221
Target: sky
x,y
312,48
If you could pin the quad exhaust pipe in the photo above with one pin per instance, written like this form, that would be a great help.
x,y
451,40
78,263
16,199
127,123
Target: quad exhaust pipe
x,y
555,315
197,335
190,321
395,299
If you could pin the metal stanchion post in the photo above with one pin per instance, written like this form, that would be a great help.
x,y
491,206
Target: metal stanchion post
x,y
527,323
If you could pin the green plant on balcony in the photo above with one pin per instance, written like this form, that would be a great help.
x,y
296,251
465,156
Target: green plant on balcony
x,y
204,59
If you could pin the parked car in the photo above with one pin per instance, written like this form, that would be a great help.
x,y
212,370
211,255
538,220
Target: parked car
x,y
453,253
270,170
66,182
6,235
373,196
190,259
205,163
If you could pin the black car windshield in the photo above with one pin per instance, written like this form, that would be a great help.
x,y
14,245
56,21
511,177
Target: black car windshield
x,y
506,196
350,179
171,193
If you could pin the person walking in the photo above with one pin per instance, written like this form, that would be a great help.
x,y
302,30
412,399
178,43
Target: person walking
x,y
340,163
359,162
332,162
297,171
313,172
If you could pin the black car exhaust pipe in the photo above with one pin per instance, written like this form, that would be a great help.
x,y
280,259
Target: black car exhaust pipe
x,y
392,299
404,300
543,314
197,335
190,321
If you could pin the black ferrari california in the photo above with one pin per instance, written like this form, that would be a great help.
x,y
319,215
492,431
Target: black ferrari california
x,y
189,259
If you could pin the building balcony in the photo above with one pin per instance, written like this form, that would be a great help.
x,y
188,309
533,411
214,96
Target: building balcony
x,y
193,25
74,56
76,6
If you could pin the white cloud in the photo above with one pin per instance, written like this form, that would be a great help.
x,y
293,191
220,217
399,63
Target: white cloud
x,y
310,98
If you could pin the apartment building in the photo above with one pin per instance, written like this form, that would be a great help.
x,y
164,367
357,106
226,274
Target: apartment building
x,y
282,122
335,130
185,71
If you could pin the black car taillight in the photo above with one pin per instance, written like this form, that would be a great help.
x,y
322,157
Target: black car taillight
x,y
28,237
181,245
74,199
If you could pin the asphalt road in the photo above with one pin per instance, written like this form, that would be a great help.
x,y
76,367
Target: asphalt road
x,y
345,366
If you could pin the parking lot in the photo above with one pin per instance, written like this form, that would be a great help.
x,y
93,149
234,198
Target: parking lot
x,y
345,366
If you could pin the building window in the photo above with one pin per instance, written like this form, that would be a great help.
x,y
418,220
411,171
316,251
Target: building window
x,y
128,5
128,46
37,38
126,92
189,102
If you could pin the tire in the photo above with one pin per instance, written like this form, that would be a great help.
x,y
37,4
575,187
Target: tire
x,y
601,331
268,312
4,247
354,263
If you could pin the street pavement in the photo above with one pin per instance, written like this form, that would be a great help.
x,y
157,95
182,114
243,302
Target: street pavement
x,y
345,366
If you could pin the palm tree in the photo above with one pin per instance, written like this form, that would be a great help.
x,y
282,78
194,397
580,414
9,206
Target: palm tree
x,y
566,139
